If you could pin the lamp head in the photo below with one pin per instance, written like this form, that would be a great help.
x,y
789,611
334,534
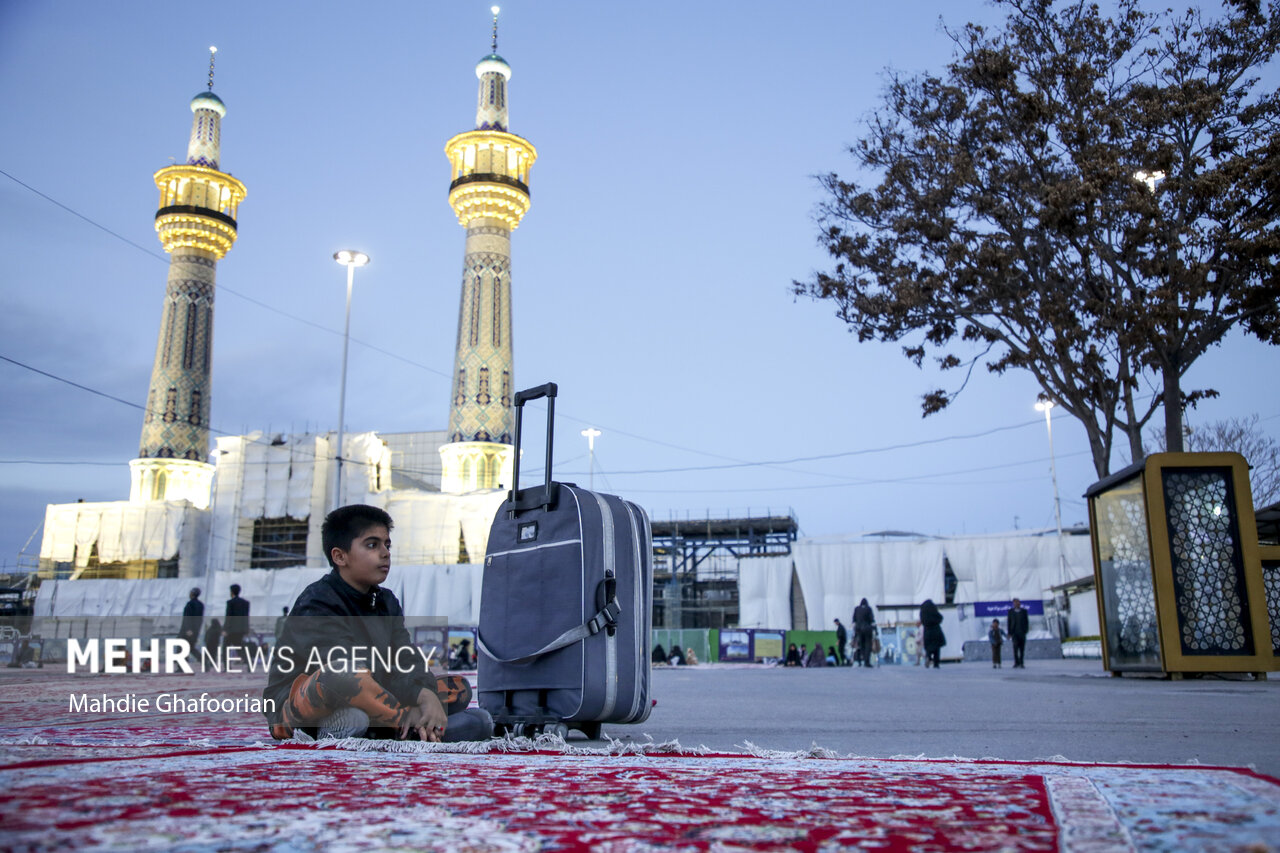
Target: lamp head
x,y
351,258
1044,405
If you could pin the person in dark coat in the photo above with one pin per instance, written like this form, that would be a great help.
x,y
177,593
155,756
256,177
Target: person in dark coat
x,y
234,626
1019,625
934,638
817,657
192,619
842,638
212,639
675,657
793,656
864,627
659,654
346,665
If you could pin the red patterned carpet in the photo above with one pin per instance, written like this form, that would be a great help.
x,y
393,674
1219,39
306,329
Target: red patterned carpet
x,y
196,782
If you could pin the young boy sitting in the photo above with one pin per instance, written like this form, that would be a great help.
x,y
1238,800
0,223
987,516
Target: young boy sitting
x,y
344,664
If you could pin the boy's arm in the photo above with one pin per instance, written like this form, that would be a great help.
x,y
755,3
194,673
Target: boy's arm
x,y
411,676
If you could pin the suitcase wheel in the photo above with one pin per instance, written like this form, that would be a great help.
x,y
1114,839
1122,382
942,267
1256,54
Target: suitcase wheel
x,y
591,730
559,730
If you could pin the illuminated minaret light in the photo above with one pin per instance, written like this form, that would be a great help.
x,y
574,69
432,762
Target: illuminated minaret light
x,y
490,194
197,226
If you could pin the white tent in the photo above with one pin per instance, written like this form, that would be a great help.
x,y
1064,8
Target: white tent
x,y
835,574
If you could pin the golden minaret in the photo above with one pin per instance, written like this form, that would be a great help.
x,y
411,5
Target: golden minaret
x,y
197,226
490,195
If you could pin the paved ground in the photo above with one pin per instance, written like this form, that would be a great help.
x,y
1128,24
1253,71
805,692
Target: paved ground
x,y
1063,708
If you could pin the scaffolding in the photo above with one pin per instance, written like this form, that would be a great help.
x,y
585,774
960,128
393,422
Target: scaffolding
x,y
695,571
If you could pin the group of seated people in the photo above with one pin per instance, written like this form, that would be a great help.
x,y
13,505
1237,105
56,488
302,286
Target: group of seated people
x,y
803,657
675,657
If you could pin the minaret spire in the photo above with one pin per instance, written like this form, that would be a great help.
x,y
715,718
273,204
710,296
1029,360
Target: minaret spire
x,y
490,194
197,227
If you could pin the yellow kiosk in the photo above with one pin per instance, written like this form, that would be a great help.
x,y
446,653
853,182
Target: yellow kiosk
x,y
1178,568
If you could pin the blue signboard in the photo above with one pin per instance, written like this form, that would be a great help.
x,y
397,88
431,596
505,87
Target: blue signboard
x,y
998,609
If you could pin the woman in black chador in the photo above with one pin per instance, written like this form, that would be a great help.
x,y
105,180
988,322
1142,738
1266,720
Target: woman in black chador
x,y
864,628
934,639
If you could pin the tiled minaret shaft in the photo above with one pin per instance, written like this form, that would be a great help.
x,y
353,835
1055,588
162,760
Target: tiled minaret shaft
x,y
197,226
490,194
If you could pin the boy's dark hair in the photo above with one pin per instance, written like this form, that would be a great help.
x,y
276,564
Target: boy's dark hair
x,y
235,590
344,524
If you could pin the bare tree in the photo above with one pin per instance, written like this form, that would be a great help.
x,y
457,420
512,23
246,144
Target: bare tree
x,y
1089,199
1243,436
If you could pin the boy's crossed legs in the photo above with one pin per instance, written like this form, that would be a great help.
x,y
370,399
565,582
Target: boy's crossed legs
x,y
348,704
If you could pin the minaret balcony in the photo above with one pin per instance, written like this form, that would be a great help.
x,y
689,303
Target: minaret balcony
x,y
490,152
483,197
184,226
199,186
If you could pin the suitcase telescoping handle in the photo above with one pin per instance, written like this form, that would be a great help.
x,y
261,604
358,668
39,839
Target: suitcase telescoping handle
x,y
544,497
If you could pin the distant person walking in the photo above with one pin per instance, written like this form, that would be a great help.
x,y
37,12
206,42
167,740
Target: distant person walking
x,y
235,625
996,638
212,639
1019,625
934,638
280,620
842,640
864,628
192,619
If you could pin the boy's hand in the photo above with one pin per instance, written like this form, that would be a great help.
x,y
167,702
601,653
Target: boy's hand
x,y
428,718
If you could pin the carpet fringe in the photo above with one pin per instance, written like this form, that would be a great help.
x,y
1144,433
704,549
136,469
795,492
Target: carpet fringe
x,y
509,744
814,751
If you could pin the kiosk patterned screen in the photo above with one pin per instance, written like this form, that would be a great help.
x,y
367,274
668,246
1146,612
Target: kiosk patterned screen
x,y
1271,580
1207,562
1128,594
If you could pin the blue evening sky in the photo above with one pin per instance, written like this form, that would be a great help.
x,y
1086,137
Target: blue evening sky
x,y
672,207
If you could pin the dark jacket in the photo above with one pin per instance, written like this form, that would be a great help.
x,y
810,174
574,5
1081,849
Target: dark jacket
x,y
931,619
864,619
192,619
237,617
1019,622
338,623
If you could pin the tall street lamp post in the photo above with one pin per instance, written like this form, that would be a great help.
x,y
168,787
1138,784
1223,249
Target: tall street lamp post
x,y
591,433
1046,406
349,259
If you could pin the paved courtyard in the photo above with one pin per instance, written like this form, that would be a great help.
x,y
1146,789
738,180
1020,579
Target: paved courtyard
x,y
1071,709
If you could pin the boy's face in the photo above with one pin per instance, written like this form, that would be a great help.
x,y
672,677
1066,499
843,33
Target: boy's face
x,y
367,563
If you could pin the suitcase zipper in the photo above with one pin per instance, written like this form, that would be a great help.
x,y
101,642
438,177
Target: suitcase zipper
x,y
611,638
490,556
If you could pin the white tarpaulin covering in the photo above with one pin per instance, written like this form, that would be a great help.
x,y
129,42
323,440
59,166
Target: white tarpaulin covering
x,y
288,476
429,525
836,575
123,531
427,593
764,592
160,601
998,568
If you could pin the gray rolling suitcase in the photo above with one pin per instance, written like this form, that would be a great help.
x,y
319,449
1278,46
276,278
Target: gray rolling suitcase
x,y
565,605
